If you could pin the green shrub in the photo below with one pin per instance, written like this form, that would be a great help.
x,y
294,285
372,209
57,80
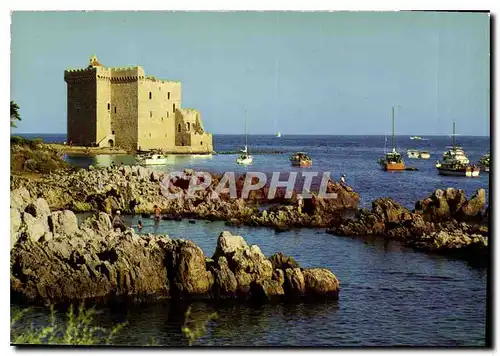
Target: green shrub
x,y
78,329
17,140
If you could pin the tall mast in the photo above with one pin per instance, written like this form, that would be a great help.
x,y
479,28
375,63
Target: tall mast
x,y
393,145
246,140
454,141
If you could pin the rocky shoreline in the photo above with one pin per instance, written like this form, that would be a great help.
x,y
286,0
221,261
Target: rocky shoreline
x,y
55,260
136,190
446,222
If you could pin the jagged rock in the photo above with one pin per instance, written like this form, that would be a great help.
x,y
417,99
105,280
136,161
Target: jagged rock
x,y
473,209
35,228
225,282
188,270
294,282
280,261
39,208
93,262
19,198
63,222
15,224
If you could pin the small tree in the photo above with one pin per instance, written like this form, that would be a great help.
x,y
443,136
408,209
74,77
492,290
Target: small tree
x,y
14,113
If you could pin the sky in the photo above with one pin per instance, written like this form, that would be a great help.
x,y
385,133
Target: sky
x,y
329,73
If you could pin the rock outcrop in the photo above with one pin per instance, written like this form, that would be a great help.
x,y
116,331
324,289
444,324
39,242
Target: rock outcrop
x,y
445,222
55,260
136,190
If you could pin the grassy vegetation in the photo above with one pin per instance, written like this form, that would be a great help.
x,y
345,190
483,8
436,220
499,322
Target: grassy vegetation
x,y
31,156
78,329
195,329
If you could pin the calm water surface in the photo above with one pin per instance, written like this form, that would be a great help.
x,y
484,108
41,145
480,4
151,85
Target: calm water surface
x,y
390,295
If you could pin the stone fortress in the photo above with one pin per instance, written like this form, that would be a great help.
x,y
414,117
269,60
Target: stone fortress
x,y
123,107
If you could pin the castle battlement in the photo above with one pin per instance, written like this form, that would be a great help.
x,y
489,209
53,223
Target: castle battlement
x,y
121,106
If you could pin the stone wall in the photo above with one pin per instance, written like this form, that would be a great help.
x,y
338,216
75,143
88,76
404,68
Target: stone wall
x,y
124,107
103,108
81,108
190,131
157,102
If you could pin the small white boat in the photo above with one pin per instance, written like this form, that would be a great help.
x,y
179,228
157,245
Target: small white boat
x,y
415,138
413,153
153,159
245,158
425,155
278,134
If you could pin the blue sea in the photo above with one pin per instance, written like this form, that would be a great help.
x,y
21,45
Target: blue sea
x,y
390,295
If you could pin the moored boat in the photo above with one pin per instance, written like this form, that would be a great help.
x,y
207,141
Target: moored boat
x,y
484,163
152,159
412,153
455,162
245,158
425,154
392,161
301,159
416,138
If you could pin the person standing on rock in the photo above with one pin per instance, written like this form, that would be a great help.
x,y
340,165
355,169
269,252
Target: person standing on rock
x,y
343,179
118,222
157,212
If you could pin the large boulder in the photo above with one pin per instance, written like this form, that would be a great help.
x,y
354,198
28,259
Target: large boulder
x,y
15,224
294,282
63,222
321,282
34,228
39,208
473,209
187,270
19,198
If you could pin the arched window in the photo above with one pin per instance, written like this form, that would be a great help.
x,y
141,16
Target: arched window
x,y
168,95
109,106
201,143
150,95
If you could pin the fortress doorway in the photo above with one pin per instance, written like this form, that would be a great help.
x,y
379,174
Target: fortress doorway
x,y
111,143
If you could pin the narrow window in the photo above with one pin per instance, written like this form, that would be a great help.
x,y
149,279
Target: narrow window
x,y
112,132
168,95
201,143
179,128
162,119
149,135
165,135
115,109
188,126
167,114
109,106
150,114
174,108
150,95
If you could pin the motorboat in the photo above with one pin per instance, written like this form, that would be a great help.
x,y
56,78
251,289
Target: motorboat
x,y
425,154
413,153
455,162
152,159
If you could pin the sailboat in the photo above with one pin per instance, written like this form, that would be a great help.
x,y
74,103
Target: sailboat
x,y
245,158
393,161
455,162
278,134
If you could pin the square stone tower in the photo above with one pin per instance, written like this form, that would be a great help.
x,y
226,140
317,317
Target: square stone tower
x,y
125,108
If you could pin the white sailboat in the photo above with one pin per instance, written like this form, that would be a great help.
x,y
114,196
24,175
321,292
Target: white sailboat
x,y
245,158
278,134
